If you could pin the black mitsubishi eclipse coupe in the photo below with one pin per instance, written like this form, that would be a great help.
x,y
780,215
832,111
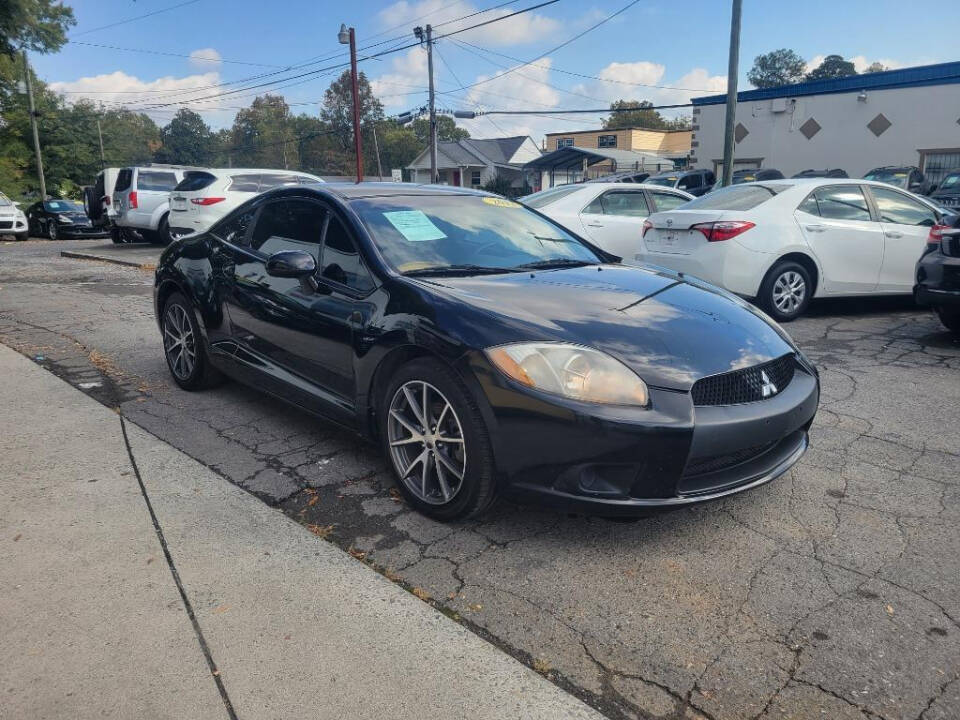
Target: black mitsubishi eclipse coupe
x,y
487,349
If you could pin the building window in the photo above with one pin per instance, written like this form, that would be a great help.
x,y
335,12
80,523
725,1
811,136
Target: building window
x,y
475,178
606,141
564,142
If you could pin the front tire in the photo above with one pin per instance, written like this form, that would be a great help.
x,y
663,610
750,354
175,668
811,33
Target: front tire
x,y
52,230
23,236
786,291
183,346
437,442
950,319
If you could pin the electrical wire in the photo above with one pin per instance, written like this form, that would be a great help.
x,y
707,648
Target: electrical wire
x,y
138,17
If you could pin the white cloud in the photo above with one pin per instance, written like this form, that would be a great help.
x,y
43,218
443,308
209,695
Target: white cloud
x,y
205,59
116,88
407,74
522,29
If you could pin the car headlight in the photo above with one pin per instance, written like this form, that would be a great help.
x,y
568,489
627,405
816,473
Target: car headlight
x,y
572,371
64,220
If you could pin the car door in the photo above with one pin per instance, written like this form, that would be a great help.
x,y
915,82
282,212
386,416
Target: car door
x,y
35,218
614,221
906,224
837,224
121,189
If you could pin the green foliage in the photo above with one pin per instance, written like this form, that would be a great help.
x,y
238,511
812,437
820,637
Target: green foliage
x,y
833,66
186,140
499,185
776,68
447,130
640,114
337,110
38,25
875,67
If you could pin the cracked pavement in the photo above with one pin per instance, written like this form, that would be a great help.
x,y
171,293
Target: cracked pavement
x,y
832,592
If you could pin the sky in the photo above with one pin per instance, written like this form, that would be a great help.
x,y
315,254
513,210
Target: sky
x,y
664,51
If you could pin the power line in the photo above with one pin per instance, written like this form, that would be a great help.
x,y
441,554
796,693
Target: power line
x,y
138,17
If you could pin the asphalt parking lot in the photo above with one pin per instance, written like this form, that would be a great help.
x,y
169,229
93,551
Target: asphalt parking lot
x,y
833,592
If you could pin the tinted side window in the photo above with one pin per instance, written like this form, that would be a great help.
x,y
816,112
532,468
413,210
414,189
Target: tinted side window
x,y
341,259
195,180
842,202
289,225
690,181
809,205
666,201
234,230
272,181
123,180
898,208
153,180
245,183
630,204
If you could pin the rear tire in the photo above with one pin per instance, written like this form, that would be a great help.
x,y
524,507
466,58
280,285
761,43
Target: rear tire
x,y
162,236
454,438
786,291
950,319
183,346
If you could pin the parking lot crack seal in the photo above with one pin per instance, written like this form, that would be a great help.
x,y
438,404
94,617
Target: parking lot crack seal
x,y
188,606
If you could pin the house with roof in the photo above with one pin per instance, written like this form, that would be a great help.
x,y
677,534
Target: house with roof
x,y
474,162
908,116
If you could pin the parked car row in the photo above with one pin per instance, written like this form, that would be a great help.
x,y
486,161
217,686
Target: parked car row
x,y
777,242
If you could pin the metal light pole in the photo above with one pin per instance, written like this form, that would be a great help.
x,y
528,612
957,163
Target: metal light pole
x,y
103,162
346,36
428,37
732,71
33,125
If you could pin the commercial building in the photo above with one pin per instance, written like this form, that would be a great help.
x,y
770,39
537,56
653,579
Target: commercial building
x,y
909,116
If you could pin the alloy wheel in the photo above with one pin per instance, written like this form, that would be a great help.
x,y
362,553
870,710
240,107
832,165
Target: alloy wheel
x,y
179,342
52,230
789,292
426,442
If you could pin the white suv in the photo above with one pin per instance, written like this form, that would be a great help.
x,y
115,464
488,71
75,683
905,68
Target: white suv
x,y
205,196
141,202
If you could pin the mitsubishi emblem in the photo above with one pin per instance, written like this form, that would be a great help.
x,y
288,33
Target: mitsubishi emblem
x,y
767,388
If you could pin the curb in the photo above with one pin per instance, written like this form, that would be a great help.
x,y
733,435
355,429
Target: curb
x,y
101,258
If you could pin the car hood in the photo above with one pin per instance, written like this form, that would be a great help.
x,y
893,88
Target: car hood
x,y
76,217
669,329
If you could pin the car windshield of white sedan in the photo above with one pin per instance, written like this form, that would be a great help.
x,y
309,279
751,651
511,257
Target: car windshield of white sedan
x,y
735,197
550,195
434,234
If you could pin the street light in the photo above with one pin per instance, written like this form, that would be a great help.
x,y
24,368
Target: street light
x,y
346,36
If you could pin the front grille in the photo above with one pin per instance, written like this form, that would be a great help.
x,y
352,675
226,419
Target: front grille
x,y
744,386
714,463
6,224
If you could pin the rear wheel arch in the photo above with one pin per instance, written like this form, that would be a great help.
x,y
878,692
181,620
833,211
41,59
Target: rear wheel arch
x,y
802,259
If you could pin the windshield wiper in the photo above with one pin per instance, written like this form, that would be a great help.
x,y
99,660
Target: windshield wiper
x,y
439,270
554,263
552,239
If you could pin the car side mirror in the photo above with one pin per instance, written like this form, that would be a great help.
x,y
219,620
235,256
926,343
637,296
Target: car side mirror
x,y
291,264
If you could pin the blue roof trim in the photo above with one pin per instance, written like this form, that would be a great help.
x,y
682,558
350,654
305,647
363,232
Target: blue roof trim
x,y
941,74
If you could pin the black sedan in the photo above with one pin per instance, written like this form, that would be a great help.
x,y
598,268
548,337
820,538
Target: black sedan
x,y
60,219
487,349
938,274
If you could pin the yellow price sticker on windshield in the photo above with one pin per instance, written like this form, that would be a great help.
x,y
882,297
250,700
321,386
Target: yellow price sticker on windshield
x,y
500,202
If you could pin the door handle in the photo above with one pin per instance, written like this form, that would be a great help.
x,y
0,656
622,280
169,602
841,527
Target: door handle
x,y
595,225
815,228
893,234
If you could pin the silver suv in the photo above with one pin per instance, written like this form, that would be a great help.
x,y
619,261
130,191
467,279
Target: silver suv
x,y
141,202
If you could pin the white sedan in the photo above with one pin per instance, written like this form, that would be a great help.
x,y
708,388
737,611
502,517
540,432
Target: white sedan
x,y
610,215
783,242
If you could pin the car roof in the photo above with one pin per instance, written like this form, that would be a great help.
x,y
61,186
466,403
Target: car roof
x,y
355,191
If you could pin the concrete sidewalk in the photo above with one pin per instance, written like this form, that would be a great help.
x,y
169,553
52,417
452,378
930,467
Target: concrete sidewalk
x,y
188,598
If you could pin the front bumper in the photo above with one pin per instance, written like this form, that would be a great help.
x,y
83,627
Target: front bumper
x,y
623,461
81,231
938,279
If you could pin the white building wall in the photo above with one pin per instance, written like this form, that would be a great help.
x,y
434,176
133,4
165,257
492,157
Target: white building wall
x,y
922,118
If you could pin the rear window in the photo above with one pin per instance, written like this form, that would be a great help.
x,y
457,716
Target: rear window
x,y
665,181
268,181
158,181
195,180
123,180
735,197
545,197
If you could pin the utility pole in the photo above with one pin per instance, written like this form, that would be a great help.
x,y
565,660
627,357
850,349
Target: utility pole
x,y
347,36
103,163
428,37
732,72
33,125
376,149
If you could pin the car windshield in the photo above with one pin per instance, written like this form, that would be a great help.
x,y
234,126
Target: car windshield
x,y
891,177
62,206
4,200
735,197
666,180
744,178
545,197
468,234
951,181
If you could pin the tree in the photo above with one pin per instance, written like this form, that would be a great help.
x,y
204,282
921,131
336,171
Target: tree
x,y
263,135
186,140
641,114
447,130
337,110
38,25
833,66
776,68
876,67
